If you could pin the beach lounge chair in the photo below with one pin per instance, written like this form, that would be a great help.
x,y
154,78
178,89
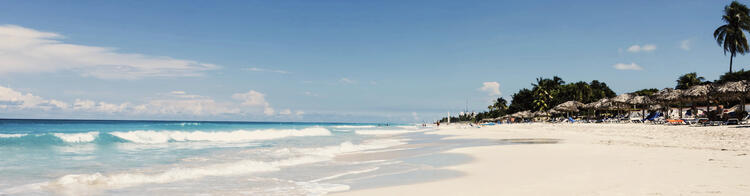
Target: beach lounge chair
x,y
745,120
571,120
675,121
732,121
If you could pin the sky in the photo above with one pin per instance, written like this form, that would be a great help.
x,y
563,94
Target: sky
x,y
335,61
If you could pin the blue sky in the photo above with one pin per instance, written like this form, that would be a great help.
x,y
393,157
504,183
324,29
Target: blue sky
x,y
352,61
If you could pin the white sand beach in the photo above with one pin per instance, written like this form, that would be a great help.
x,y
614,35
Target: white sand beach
x,y
594,159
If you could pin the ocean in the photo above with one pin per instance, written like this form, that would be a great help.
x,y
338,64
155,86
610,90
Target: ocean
x,y
103,157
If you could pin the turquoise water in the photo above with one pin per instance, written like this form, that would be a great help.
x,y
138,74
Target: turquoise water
x,y
78,157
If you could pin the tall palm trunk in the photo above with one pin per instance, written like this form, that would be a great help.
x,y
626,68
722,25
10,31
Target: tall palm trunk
x,y
731,58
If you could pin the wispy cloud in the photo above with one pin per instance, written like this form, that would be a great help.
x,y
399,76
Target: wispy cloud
x,y
255,69
172,103
491,88
686,44
347,81
641,48
631,66
311,94
24,50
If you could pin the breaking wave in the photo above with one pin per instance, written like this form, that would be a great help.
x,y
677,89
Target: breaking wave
x,y
157,137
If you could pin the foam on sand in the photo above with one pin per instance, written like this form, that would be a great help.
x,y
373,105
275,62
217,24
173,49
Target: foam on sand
x,y
384,132
74,184
353,126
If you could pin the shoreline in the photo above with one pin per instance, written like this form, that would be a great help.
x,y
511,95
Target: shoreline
x,y
593,159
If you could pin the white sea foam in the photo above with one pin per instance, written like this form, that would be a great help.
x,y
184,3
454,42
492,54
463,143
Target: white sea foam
x,y
155,137
345,174
353,126
77,137
317,189
383,132
79,183
12,135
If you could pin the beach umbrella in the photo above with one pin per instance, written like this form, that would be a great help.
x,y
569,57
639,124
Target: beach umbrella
x,y
623,98
698,93
541,114
668,96
733,87
737,89
640,100
601,104
569,106
527,114
554,111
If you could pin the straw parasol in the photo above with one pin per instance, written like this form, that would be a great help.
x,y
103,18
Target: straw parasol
x,y
569,106
640,100
527,114
737,89
541,114
623,98
668,96
698,93
733,87
523,114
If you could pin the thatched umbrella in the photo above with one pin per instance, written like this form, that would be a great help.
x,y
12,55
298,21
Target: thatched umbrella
x,y
640,100
541,114
668,96
569,106
523,114
699,93
622,100
527,114
737,89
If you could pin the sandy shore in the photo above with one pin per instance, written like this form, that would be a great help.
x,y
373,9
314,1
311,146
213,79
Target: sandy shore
x,y
595,159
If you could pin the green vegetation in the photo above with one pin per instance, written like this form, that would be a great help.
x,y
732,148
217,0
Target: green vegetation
x,y
731,35
688,80
646,92
549,92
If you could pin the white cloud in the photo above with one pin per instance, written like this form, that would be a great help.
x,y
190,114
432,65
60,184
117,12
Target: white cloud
x,y
311,94
10,98
631,66
24,50
196,107
285,112
685,44
253,98
491,88
255,69
174,103
643,48
347,81
183,94
89,105
415,116
299,112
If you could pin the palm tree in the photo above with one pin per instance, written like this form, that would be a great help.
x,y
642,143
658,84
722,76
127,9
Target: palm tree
x,y
688,80
545,90
731,35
